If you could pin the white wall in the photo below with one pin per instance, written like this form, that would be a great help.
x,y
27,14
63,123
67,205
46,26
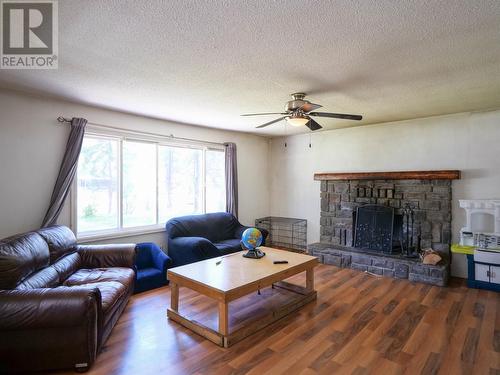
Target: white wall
x,y
32,144
468,142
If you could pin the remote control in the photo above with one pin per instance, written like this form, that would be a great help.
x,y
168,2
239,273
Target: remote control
x,y
280,262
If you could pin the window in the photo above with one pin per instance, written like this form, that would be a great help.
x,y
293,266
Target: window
x,y
139,184
180,187
98,185
127,185
215,181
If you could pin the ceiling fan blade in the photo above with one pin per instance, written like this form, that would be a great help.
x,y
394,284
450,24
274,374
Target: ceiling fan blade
x,y
336,115
263,114
308,107
271,122
313,125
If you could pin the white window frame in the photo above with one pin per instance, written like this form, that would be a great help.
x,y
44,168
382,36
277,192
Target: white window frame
x,y
135,137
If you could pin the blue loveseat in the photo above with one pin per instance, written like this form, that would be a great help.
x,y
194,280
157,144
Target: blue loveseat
x,y
198,237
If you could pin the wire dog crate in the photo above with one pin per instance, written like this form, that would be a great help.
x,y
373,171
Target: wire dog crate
x,y
285,232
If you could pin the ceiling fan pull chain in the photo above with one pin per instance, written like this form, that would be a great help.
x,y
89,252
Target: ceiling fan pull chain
x,y
284,125
310,139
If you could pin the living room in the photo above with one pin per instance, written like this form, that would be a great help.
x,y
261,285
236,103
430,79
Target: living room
x,y
273,187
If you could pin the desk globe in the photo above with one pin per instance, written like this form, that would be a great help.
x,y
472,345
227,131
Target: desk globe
x,y
251,239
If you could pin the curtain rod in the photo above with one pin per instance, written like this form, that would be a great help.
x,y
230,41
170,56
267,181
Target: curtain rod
x,y
62,119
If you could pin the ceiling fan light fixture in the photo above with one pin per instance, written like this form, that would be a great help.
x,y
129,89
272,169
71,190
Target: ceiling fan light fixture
x,y
297,120
300,112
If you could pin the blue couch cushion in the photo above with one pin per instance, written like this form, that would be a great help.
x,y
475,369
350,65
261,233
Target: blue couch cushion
x,y
148,273
149,278
228,246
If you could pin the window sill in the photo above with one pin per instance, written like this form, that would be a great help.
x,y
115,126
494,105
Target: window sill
x,y
122,234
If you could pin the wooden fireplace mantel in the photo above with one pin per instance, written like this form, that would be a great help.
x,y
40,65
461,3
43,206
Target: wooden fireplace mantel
x,y
401,175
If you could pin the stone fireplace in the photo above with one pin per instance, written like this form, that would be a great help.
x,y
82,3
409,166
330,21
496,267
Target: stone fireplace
x,y
369,220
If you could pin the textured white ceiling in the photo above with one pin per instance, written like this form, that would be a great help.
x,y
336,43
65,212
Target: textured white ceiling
x,y
206,62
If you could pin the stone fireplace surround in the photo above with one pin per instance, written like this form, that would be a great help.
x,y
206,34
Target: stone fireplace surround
x,y
428,191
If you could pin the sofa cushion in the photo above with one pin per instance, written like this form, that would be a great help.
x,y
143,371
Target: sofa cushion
x,y
67,266
113,283
45,278
112,293
228,246
150,274
124,276
21,256
149,278
61,241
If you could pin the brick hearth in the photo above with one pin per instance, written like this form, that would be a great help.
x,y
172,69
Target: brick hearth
x,y
396,266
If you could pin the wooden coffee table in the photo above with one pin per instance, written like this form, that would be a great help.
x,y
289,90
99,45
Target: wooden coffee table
x,y
230,277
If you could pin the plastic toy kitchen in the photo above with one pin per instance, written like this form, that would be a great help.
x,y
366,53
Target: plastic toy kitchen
x,y
480,240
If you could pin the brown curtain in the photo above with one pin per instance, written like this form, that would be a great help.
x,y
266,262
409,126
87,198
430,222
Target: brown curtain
x,y
67,171
231,179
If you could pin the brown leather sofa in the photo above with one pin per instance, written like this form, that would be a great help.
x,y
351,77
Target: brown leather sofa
x,y
58,300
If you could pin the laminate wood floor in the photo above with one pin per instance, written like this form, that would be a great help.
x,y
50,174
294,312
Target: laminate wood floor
x,y
360,324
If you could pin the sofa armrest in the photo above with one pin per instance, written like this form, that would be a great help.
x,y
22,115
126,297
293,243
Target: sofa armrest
x,y
184,250
46,308
265,234
238,232
104,256
161,260
59,328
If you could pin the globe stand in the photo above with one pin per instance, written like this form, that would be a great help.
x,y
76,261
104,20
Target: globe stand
x,y
254,254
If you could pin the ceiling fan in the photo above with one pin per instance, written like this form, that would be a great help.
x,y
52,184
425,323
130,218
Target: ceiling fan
x,y
298,112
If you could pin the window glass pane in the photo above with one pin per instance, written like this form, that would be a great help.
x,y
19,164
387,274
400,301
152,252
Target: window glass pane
x,y
179,182
215,181
139,184
97,185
